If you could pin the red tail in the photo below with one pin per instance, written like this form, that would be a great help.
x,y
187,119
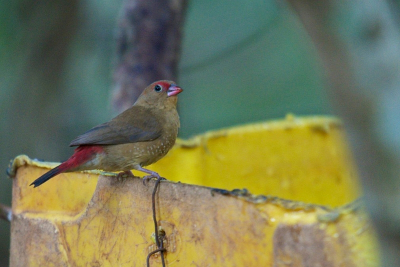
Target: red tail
x,y
81,155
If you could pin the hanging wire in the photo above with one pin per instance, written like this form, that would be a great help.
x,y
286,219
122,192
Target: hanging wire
x,y
159,238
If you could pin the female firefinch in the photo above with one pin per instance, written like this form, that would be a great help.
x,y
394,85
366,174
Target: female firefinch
x,y
139,136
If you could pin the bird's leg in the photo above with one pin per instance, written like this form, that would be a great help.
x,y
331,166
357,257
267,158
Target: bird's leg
x,y
152,174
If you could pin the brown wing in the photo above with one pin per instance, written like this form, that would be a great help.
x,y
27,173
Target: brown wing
x,y
136,124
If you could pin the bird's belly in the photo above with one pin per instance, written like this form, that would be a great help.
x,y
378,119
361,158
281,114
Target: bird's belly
x,y
126,157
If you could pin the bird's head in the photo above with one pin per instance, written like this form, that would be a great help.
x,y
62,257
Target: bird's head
x,y
161,93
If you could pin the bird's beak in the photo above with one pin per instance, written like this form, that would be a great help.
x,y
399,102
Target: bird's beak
x,y
174,90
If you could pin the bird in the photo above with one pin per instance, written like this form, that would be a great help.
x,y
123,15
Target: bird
x,y
139,136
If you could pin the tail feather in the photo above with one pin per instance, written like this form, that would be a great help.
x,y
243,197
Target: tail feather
x,y
47,176
81,155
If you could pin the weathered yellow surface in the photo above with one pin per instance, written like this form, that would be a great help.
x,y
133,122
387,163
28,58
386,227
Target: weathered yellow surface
x,y
83,219
304,159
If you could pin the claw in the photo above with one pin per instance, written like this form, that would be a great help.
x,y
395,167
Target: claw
x,y
148,177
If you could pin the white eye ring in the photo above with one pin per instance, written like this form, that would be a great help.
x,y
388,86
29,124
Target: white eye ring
x,y
157,88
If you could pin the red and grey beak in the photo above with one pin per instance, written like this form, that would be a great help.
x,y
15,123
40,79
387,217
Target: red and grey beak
x,y
174,90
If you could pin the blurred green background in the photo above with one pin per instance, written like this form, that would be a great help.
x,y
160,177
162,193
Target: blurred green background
x,y
241,62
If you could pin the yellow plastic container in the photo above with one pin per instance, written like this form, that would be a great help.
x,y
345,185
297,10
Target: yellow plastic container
x,y
301,210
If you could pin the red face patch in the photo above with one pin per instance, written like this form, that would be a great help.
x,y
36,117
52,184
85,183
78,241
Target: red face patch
x,y
164,85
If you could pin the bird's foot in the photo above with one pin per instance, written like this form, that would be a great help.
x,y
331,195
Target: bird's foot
x,y
125,174
148,177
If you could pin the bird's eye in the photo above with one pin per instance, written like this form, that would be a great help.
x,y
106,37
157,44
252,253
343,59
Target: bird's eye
x,y
158,88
